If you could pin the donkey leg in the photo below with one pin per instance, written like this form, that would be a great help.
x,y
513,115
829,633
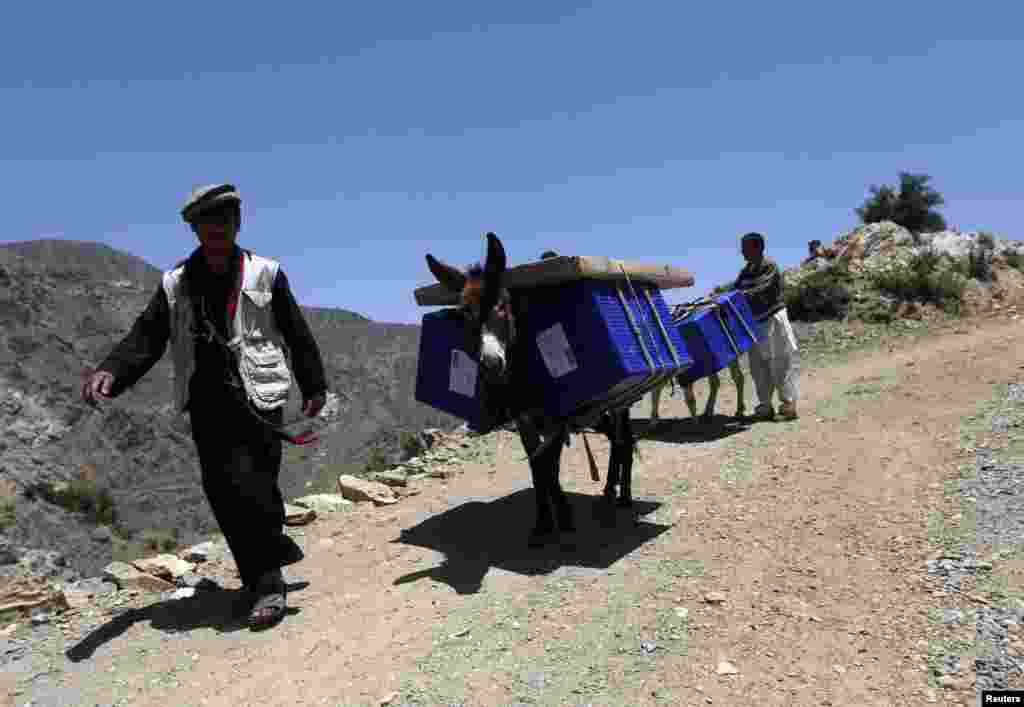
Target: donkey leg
x,y
612,478
715,382
627,448
737,378
691,399
655,403
544,523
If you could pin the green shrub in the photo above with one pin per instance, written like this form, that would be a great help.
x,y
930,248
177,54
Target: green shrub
x,y
160,540
913,207
877,313
977,263
7,514
377,461
922,280
78,496
824,294
410,444
1015,259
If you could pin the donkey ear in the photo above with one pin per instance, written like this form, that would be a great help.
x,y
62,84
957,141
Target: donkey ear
x,y
493,270
448,276
495,256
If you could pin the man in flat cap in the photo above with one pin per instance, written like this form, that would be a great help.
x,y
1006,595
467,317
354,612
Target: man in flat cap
x,y
236,335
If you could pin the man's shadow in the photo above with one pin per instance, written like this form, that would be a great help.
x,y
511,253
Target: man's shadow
x,y
691,430
224,610
476,536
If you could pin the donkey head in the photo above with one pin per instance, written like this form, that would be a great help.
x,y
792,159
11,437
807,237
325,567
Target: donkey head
x,y
485,306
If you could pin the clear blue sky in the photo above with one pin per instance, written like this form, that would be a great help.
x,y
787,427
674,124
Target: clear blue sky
x,y
364,135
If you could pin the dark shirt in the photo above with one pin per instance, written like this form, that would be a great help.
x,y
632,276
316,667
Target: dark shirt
x,y
145,344
763,286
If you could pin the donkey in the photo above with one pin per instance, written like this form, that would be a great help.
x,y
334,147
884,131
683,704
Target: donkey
x,y
713,380
691,400
491,316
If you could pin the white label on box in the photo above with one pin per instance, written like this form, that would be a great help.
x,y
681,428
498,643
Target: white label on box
x,y
462,376
556,351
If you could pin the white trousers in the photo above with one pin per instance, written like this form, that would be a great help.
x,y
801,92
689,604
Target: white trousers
x,y
773,362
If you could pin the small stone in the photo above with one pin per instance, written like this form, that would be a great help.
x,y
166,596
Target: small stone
x,y
727,668
184,593
356,489
40,617
388,699
389,478
297,515
198,553
460,634
164,566
714,597
839,669
648,647
125,576
682,612
952,683
324,502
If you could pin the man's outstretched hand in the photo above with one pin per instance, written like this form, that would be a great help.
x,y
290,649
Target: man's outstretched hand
x,y
97,387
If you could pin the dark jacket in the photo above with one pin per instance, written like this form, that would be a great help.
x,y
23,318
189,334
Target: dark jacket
x,y
146,343
763,286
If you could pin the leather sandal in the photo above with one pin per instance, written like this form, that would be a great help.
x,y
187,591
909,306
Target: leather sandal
x,y
271,604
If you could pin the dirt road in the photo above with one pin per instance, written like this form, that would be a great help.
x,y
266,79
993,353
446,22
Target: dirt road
x,y
815,533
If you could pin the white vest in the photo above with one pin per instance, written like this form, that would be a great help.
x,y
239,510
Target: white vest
x,y
261,352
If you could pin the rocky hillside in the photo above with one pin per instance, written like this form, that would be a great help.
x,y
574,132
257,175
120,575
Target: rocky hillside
x,y
881,272
63,305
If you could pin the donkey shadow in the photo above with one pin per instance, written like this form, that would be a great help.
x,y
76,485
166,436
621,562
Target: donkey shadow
x,y
224,610
479,535
691,430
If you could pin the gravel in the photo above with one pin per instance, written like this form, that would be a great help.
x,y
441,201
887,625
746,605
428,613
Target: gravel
x,y
998,490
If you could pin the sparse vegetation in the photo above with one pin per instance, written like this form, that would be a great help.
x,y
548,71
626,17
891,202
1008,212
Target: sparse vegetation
x,y
1015,259
78,496
7,514
923,280
160,540
912,207
377,461
824,294
410,444
326,478
977,264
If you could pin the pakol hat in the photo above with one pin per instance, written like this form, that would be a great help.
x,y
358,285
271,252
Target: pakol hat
x,y
209,197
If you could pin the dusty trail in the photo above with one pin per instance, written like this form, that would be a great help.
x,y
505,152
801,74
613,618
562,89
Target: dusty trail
x,y
815,532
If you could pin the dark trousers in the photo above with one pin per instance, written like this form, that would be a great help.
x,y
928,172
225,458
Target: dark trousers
x,y
241,461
